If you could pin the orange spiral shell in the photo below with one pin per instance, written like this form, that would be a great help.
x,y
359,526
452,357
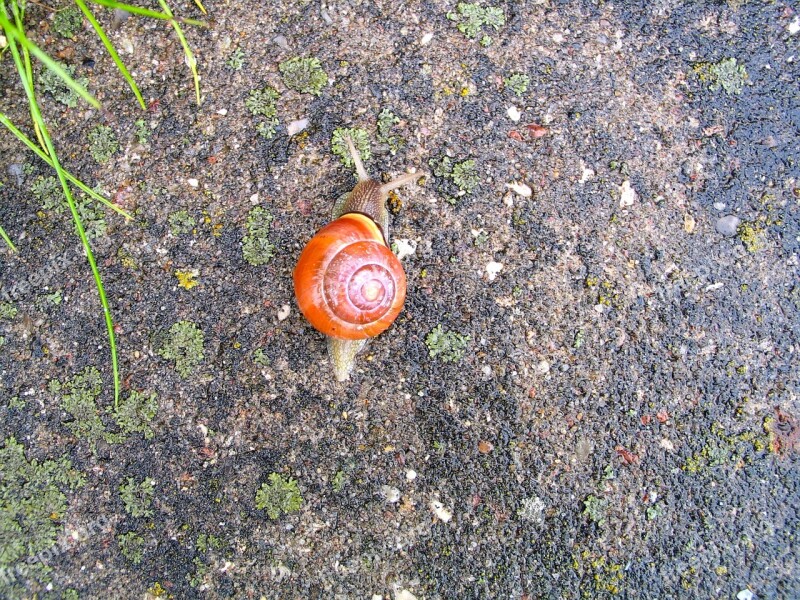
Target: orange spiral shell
x,y
348,283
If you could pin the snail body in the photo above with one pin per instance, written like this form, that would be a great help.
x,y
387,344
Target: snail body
x,y
348,283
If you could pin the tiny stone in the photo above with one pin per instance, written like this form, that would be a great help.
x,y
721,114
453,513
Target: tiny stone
x,y
745,594
411,475
193,182
728,225
283,313
281,42
390,493
719,205
426,39
514,114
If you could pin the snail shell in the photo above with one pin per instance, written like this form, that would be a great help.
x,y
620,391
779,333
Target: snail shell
x,y
348,283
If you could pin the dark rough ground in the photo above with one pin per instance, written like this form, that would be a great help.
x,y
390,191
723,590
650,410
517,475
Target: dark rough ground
x,y
659,405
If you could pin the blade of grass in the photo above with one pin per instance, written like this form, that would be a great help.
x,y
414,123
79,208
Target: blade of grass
x,y
74,180
144,12
7,239
19,15
16,35
200,6
189,56
110,48
12,43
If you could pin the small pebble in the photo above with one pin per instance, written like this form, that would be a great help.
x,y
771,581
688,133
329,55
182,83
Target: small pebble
x,y
493,268
411,475
426,39
514,114
745,594
193,182
296,127
390,493
627,194
444,514
283,313
405,247
728,225
719,205
281,42
520,188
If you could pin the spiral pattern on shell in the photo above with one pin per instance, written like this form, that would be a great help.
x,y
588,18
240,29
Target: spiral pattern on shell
x,y
347,282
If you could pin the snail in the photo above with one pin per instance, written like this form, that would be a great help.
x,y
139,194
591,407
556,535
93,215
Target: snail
x,y
348,283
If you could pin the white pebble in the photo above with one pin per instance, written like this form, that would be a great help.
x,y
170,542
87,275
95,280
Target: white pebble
x,y
426,39
193,182
745,594
794,26
493,268
296,127
404,595
283,313
405,247
442,513
520,188
254,198
627,194
514,114
543,367
390,493
411,475
222,111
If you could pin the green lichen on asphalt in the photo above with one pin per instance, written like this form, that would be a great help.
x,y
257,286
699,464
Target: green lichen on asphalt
x,y
142,131
184,345
303,75
79,399
7,310
262,102
131,545
279,496
181,222
386,121
726,74
52,84
138,497
256,247
595,508
721,449
260,358
102,143
67,22
598,574
48,192
517,83
134,413
235,60
752,236
360,140
471,18
460,178
32,503
447,346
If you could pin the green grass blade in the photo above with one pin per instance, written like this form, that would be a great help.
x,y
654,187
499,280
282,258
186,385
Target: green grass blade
x,y
16,35
7,239
190,59
74,180
110,48
144,12
39,120
200,6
